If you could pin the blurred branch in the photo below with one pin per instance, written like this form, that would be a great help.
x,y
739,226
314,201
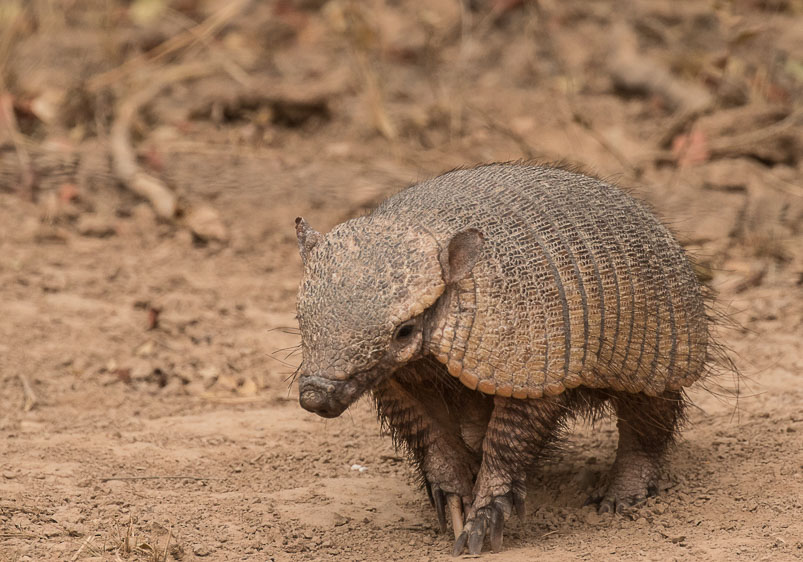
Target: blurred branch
x,y
632,70
229,65
124,160
740,144
200,32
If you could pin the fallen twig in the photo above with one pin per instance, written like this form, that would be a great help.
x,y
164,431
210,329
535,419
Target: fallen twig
x,y
180,477
232,400
729,145
725,142
125,167
17,536
30,395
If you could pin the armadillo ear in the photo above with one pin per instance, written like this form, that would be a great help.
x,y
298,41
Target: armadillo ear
x,y
462,254
307,238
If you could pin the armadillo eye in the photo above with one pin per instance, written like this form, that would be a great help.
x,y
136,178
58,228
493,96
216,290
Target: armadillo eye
x,y
404,331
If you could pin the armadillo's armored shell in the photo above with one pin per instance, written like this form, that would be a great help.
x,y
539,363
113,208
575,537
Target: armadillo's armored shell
x,y
578,284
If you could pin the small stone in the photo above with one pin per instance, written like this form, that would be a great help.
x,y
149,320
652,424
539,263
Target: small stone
x,y
93,225
340,520
200,550
678,539
593,518
205,223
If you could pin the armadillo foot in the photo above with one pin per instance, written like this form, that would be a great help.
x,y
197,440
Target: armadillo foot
x,y
627,489
487,521
609,501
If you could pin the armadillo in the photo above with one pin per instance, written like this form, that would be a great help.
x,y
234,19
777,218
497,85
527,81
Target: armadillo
x,y
483,308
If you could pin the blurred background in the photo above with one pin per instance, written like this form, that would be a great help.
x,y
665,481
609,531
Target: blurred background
x,y
154,155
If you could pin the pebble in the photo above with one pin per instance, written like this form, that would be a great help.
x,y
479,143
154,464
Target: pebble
x,y
99,227
593,518
200,550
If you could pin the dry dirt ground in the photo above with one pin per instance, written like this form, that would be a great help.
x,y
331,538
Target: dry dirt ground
x,y
145,407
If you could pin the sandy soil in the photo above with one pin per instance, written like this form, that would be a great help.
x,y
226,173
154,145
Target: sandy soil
x,y
145,407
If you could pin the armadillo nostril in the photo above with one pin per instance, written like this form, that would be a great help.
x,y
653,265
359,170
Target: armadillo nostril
x,y
312,400
319,403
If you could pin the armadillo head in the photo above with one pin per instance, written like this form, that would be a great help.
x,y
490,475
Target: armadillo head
x,y
361,303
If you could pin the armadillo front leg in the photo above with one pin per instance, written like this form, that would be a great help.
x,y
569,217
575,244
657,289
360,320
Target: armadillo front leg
x,y
517,434
434,443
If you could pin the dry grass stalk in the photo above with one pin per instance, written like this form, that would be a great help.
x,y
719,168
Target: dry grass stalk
x,y
586,123
30,396
738,144
227,64
197,33
82,547
349,19
527,151
167,544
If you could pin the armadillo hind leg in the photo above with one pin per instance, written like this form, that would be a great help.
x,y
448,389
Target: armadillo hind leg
x,y
447,467
647,426
518,433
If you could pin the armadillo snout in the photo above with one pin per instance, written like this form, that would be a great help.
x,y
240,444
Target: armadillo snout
x,y
317,395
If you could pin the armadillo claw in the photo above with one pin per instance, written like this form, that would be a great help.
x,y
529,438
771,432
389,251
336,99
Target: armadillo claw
x,y
456,510
609,501
519,494
487,521
497,524
440,500
460,542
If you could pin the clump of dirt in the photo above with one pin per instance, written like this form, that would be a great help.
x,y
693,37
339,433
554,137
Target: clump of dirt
x,y
153,157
